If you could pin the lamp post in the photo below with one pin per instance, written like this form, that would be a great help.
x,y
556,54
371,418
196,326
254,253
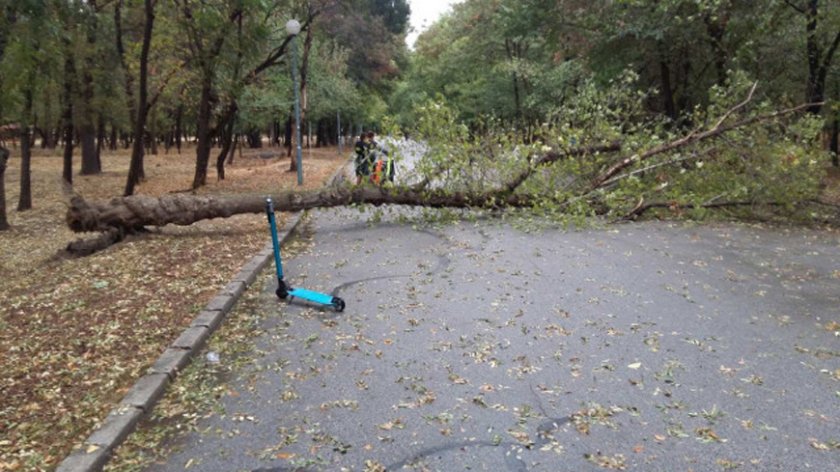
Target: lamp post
x,y
293,28
338,119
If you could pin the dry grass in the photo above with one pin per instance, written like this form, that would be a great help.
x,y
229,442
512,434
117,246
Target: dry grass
x,y
76,333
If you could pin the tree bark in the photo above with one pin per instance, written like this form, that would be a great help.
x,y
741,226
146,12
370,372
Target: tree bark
x,y
185,209
25,198
179,131
667,89
4,157
129,79
135,171
87,128
226,136
67,117
819,62
202,156
716,25
835,141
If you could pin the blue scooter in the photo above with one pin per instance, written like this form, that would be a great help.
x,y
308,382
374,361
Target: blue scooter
x,y
284,291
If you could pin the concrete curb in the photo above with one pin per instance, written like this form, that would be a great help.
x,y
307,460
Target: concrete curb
x,y
142,397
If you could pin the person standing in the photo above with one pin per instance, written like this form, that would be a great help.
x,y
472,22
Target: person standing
x,y
363,156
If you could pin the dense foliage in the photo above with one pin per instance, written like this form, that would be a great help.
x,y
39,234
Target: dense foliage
x,y
502,84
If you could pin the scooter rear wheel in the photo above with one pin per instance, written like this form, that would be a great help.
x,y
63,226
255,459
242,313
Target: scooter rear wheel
x,y
338,304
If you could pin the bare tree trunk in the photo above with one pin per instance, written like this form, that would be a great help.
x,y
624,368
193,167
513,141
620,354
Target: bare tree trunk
x,y
179,131
100,140
835,141
25,198
87,143
135,170
202,157
667,88
129,79
716,23
818,62
87,128
4,157
67,117
226,137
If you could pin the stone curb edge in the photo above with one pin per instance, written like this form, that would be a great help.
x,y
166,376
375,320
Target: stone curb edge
x,y
144,394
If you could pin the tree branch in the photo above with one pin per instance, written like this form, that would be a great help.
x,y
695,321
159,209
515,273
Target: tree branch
x,y
551,157
795,7
642,207
831,50
274,56
691,138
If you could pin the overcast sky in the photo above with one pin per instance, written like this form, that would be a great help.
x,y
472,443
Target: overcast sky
x,y
424,13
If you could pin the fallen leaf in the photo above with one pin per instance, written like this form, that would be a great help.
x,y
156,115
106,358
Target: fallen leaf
x,y
634,365
820,446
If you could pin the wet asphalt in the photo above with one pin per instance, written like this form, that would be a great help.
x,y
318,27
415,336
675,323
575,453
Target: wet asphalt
x,y
482,346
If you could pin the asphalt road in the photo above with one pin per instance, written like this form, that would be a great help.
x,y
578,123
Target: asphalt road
x,y
478,346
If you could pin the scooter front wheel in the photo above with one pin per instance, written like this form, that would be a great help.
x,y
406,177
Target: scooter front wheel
x,y
338,304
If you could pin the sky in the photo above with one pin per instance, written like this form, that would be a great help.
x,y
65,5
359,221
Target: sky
x,y
424,13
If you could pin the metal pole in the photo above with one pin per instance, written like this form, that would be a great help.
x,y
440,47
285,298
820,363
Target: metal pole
x,y
338,119
297,111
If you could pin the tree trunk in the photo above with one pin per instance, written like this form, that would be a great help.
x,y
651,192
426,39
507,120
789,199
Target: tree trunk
x,y
226,137
4,157
25,198
835,141
184,209
112,141
667,89
716,29
254,138
67,117
819,62
129,79
202,154
100,140
88,144
87,128
135,170
179,131
153,139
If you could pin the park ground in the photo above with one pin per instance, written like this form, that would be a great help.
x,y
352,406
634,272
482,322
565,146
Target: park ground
x,y
75,333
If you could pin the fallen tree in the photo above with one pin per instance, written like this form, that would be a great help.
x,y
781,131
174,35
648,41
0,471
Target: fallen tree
x,y
593,181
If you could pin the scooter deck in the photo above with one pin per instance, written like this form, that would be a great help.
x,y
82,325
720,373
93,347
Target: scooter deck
x,y
316,297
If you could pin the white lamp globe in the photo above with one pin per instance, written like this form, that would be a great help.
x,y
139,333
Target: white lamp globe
x,y
293,27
